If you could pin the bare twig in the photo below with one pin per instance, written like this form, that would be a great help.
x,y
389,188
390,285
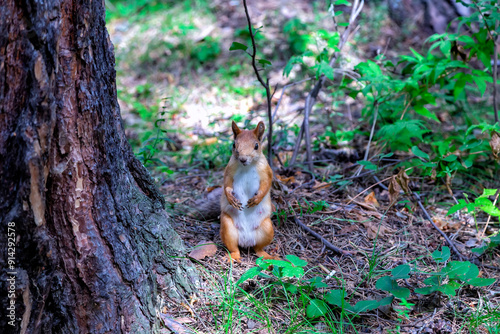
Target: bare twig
x,y
325,242
311,97
264,84
352,199
450,243
367,152
495,76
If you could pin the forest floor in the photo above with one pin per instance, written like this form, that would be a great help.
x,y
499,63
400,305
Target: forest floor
x,y
173,64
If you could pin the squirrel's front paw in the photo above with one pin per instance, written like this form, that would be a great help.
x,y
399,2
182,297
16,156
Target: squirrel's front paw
x,y
254,201
234,202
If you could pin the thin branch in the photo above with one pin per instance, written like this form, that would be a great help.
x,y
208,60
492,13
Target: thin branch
x,y
254,49
450,243
495,75
361,193
311,97
264,84
283,92
325,242
367,152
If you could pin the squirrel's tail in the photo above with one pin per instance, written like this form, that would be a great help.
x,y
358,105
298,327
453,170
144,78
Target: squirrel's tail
x,y
207,207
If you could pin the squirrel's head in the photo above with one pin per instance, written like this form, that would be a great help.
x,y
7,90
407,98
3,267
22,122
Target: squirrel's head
x,y
247,146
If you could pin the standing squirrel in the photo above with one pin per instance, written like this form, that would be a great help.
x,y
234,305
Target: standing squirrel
x,y
246,200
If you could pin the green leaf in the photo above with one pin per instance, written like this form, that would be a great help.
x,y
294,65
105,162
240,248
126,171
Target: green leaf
x,y
488,193
333,41
401,293
324,68
473,272
466,39
471,145
481,84
335,297
368,305
289,65
342,2
264,62
296,261
415,150
316,308
387,284
263,264
459,85
479,281
421,110
280,263
495,238
445,48
368,164
365,305
293,272
418,56
442,256
317,282
426,291
250,273
238,46
449,289
450,158
456,269
457,207
479,250
290,287
401,271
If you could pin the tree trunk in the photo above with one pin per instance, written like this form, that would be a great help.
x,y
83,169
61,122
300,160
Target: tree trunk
x,y
431,16
86,245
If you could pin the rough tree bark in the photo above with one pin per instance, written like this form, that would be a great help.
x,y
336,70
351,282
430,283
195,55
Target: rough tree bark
x,y
93,246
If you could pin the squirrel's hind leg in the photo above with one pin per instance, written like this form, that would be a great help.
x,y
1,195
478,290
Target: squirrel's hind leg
x,y
229,236
263,237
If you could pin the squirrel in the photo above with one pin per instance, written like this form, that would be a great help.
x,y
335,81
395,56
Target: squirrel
x,y
246,200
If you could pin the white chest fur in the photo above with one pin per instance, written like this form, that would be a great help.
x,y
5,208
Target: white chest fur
x,y
247,221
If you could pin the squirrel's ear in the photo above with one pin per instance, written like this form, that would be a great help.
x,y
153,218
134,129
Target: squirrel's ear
x,y
259,130
236,129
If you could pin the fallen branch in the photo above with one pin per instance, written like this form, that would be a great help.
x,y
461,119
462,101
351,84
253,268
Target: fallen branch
x,y
325,242
450,243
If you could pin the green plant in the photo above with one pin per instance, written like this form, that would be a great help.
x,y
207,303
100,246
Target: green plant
x,y
481,203
147,153
206,50
297,36
451,277
409,94
316,304
403,312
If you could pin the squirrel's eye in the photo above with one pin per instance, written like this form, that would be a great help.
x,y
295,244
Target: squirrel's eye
x,y
256,146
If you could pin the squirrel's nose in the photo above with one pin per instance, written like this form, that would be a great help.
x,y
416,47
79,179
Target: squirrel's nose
x,y
243,160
